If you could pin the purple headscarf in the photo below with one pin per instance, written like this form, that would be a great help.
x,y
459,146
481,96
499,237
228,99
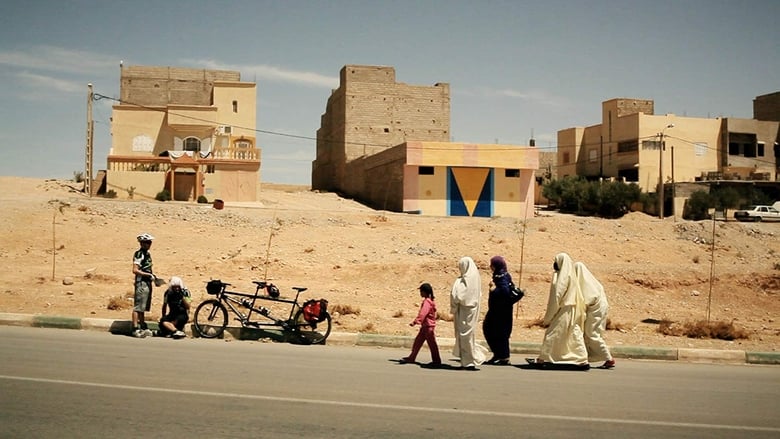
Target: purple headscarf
x,y
498,264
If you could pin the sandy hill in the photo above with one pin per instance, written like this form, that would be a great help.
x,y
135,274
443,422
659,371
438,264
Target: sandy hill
x,y
372,261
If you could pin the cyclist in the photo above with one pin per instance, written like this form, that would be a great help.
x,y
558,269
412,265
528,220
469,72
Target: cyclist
x,y
175,309
142,299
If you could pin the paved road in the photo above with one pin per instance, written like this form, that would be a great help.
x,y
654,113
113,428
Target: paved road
x,y
56,383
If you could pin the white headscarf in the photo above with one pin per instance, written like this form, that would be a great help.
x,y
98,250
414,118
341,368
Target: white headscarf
x,y
592,290
467,289
564,290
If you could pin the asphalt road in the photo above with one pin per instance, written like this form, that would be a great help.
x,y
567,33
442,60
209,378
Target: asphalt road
x,y
83,384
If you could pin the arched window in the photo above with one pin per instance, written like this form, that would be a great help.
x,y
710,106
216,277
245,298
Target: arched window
x,y
192,144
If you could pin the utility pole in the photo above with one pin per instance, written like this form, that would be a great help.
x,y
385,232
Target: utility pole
x,y
90,137
661,172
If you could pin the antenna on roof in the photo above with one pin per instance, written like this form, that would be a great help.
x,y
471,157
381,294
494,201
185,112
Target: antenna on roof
x,y
532,142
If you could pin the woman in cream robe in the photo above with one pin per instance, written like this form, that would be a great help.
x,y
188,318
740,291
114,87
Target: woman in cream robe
x,y
464,306
563,339
596,309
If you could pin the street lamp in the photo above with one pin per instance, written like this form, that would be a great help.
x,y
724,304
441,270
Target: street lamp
x,y
661,171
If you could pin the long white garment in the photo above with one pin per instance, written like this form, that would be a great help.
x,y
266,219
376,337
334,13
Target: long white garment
x,y
596,310
464,306
565,317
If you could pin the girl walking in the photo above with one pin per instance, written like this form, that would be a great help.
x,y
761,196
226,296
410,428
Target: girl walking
x,y
426,318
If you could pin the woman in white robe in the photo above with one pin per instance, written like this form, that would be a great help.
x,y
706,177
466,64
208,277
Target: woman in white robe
x,y
596,309
464,306
563,339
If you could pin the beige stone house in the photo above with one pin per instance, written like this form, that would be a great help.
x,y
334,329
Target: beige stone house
x,y
627,145
189,131
387,144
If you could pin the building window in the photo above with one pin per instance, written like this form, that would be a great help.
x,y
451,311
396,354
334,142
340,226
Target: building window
x,y
592,155
425,170
733,148
629,146
651,144
760,150
512,173
700,148
235,106
192,144
566,158
243,143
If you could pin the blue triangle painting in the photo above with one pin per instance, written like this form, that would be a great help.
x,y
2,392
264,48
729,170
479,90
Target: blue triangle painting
x,y
470,181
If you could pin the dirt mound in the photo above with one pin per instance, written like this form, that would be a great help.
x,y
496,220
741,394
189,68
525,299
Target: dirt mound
x,y
373,261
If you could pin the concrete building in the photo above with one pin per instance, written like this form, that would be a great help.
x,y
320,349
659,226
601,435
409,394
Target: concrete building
x,y
387,145
189,131
634,144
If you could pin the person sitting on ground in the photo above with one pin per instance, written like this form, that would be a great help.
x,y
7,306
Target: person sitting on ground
x,y
175,309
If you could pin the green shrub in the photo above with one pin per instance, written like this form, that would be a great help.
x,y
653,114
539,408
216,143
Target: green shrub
x,y
608,199
202,199
163,195
698,205
78,176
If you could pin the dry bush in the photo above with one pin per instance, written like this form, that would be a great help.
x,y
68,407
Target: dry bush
x,y
444,316
398,314
369,328
344,309
118,303
696,259
703,329
308,250
539,321
616,326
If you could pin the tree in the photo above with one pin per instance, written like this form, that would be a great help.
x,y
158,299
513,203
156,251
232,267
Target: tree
x,y
698,205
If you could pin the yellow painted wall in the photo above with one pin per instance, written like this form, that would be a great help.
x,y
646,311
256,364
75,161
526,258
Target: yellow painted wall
x,y
136,125
147,184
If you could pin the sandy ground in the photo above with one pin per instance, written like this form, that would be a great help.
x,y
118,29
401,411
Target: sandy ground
x,y
66,254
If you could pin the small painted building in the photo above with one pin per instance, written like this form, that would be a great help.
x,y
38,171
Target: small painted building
x,y
450,179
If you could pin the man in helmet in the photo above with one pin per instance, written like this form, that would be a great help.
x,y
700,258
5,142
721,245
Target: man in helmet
x,y
142,299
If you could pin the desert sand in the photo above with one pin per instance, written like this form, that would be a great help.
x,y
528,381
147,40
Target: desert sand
x,y
66,254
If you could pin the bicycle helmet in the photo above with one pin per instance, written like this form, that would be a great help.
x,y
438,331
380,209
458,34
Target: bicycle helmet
x,y
144,237
272,290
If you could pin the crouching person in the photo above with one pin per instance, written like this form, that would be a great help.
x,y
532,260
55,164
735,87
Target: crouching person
x,y
175,309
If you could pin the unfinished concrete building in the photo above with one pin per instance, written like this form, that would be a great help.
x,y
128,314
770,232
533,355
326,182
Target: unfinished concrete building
x,y
387,145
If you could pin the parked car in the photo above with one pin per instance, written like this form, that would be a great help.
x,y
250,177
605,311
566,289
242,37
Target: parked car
x,y
757,213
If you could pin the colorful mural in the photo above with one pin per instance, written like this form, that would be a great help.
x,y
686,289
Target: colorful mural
x,y
470,192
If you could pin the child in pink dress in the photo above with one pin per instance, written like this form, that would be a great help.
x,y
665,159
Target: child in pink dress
x,y
426,318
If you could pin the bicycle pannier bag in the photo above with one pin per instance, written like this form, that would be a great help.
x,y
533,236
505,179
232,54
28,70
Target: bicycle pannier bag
x,y
315,310
214,286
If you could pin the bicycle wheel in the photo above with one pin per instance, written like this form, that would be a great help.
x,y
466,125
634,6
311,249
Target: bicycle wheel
x,y
312,333
210,319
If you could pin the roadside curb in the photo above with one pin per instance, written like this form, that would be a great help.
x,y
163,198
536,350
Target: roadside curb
x,y
397,341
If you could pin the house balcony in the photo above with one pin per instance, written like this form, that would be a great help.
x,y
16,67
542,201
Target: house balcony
x,y
202,161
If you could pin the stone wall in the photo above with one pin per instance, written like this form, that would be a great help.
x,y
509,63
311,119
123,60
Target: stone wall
x,y
159,86
369,113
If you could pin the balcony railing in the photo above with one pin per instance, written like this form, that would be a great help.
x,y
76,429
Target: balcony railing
x,y
163,164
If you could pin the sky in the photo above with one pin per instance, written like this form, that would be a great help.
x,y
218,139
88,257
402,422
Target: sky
x,y
517,69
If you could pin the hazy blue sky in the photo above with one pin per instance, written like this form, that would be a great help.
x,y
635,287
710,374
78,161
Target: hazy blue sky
x,y
514,67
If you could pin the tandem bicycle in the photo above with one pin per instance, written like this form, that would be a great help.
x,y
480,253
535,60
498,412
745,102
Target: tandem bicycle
x,y
310,320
